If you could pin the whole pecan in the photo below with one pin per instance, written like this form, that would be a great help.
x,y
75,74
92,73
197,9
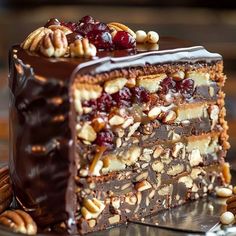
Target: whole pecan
x,y
5,189
19,221
54,44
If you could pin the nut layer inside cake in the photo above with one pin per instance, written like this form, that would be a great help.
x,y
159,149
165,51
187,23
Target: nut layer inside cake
x,y
147,136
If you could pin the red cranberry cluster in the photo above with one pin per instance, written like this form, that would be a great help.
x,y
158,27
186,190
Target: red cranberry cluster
x,y
97,32
185,86
123,98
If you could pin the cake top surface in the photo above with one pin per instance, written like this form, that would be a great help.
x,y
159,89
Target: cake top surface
x,y
92,47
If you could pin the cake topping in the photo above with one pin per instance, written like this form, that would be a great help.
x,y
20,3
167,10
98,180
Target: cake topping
x,y
82,48
54,44
85,38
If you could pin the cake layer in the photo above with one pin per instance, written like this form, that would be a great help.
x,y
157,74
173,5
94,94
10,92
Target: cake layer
x,y
102,209
185,152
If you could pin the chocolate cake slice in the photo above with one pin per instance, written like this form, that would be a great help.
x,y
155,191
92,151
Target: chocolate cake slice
x,y
101,135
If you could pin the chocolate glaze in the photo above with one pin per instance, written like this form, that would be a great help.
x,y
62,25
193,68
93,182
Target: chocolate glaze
x,y
42,145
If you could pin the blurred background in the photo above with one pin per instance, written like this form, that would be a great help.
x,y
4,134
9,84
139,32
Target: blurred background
x,y
208,23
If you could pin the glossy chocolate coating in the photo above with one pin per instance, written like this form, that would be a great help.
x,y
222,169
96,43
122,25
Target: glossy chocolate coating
x,y
42,140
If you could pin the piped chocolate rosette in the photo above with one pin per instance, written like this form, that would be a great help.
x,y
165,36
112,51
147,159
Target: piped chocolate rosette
x,y
84,38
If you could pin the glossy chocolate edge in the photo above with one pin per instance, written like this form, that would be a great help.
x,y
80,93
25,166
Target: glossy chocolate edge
x,y
64,70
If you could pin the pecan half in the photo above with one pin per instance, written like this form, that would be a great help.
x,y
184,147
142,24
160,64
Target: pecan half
x,y
19,221
33,40
5,189
54,44
115,26
82,48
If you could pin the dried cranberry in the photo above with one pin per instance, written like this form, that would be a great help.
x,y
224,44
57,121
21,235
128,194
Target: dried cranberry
x,y
101,26
71,25
101,39
72,37
123,40
104,102
122,97
85,28
105,138
91,103
52,21
186,86
87,19
140,94
168,84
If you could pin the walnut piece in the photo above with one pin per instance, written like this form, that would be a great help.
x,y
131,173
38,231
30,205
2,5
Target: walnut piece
x,y
54,44
82,48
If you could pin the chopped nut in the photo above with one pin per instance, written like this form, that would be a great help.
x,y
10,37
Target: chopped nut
x,y
158,151
87,133
165,190
187,181
114,164
131,155
54,44
145,157
157,166
175,170
142,186
133,128
152,37
179,75
169,117
19,221
121,27
211,91
227,218
131,200
92,208
82,48
129,121
92,223
141,36
115,202
116,120
113,86
114,219
151,82
195,157
154,112
176,149
141,176
224,192
33,41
